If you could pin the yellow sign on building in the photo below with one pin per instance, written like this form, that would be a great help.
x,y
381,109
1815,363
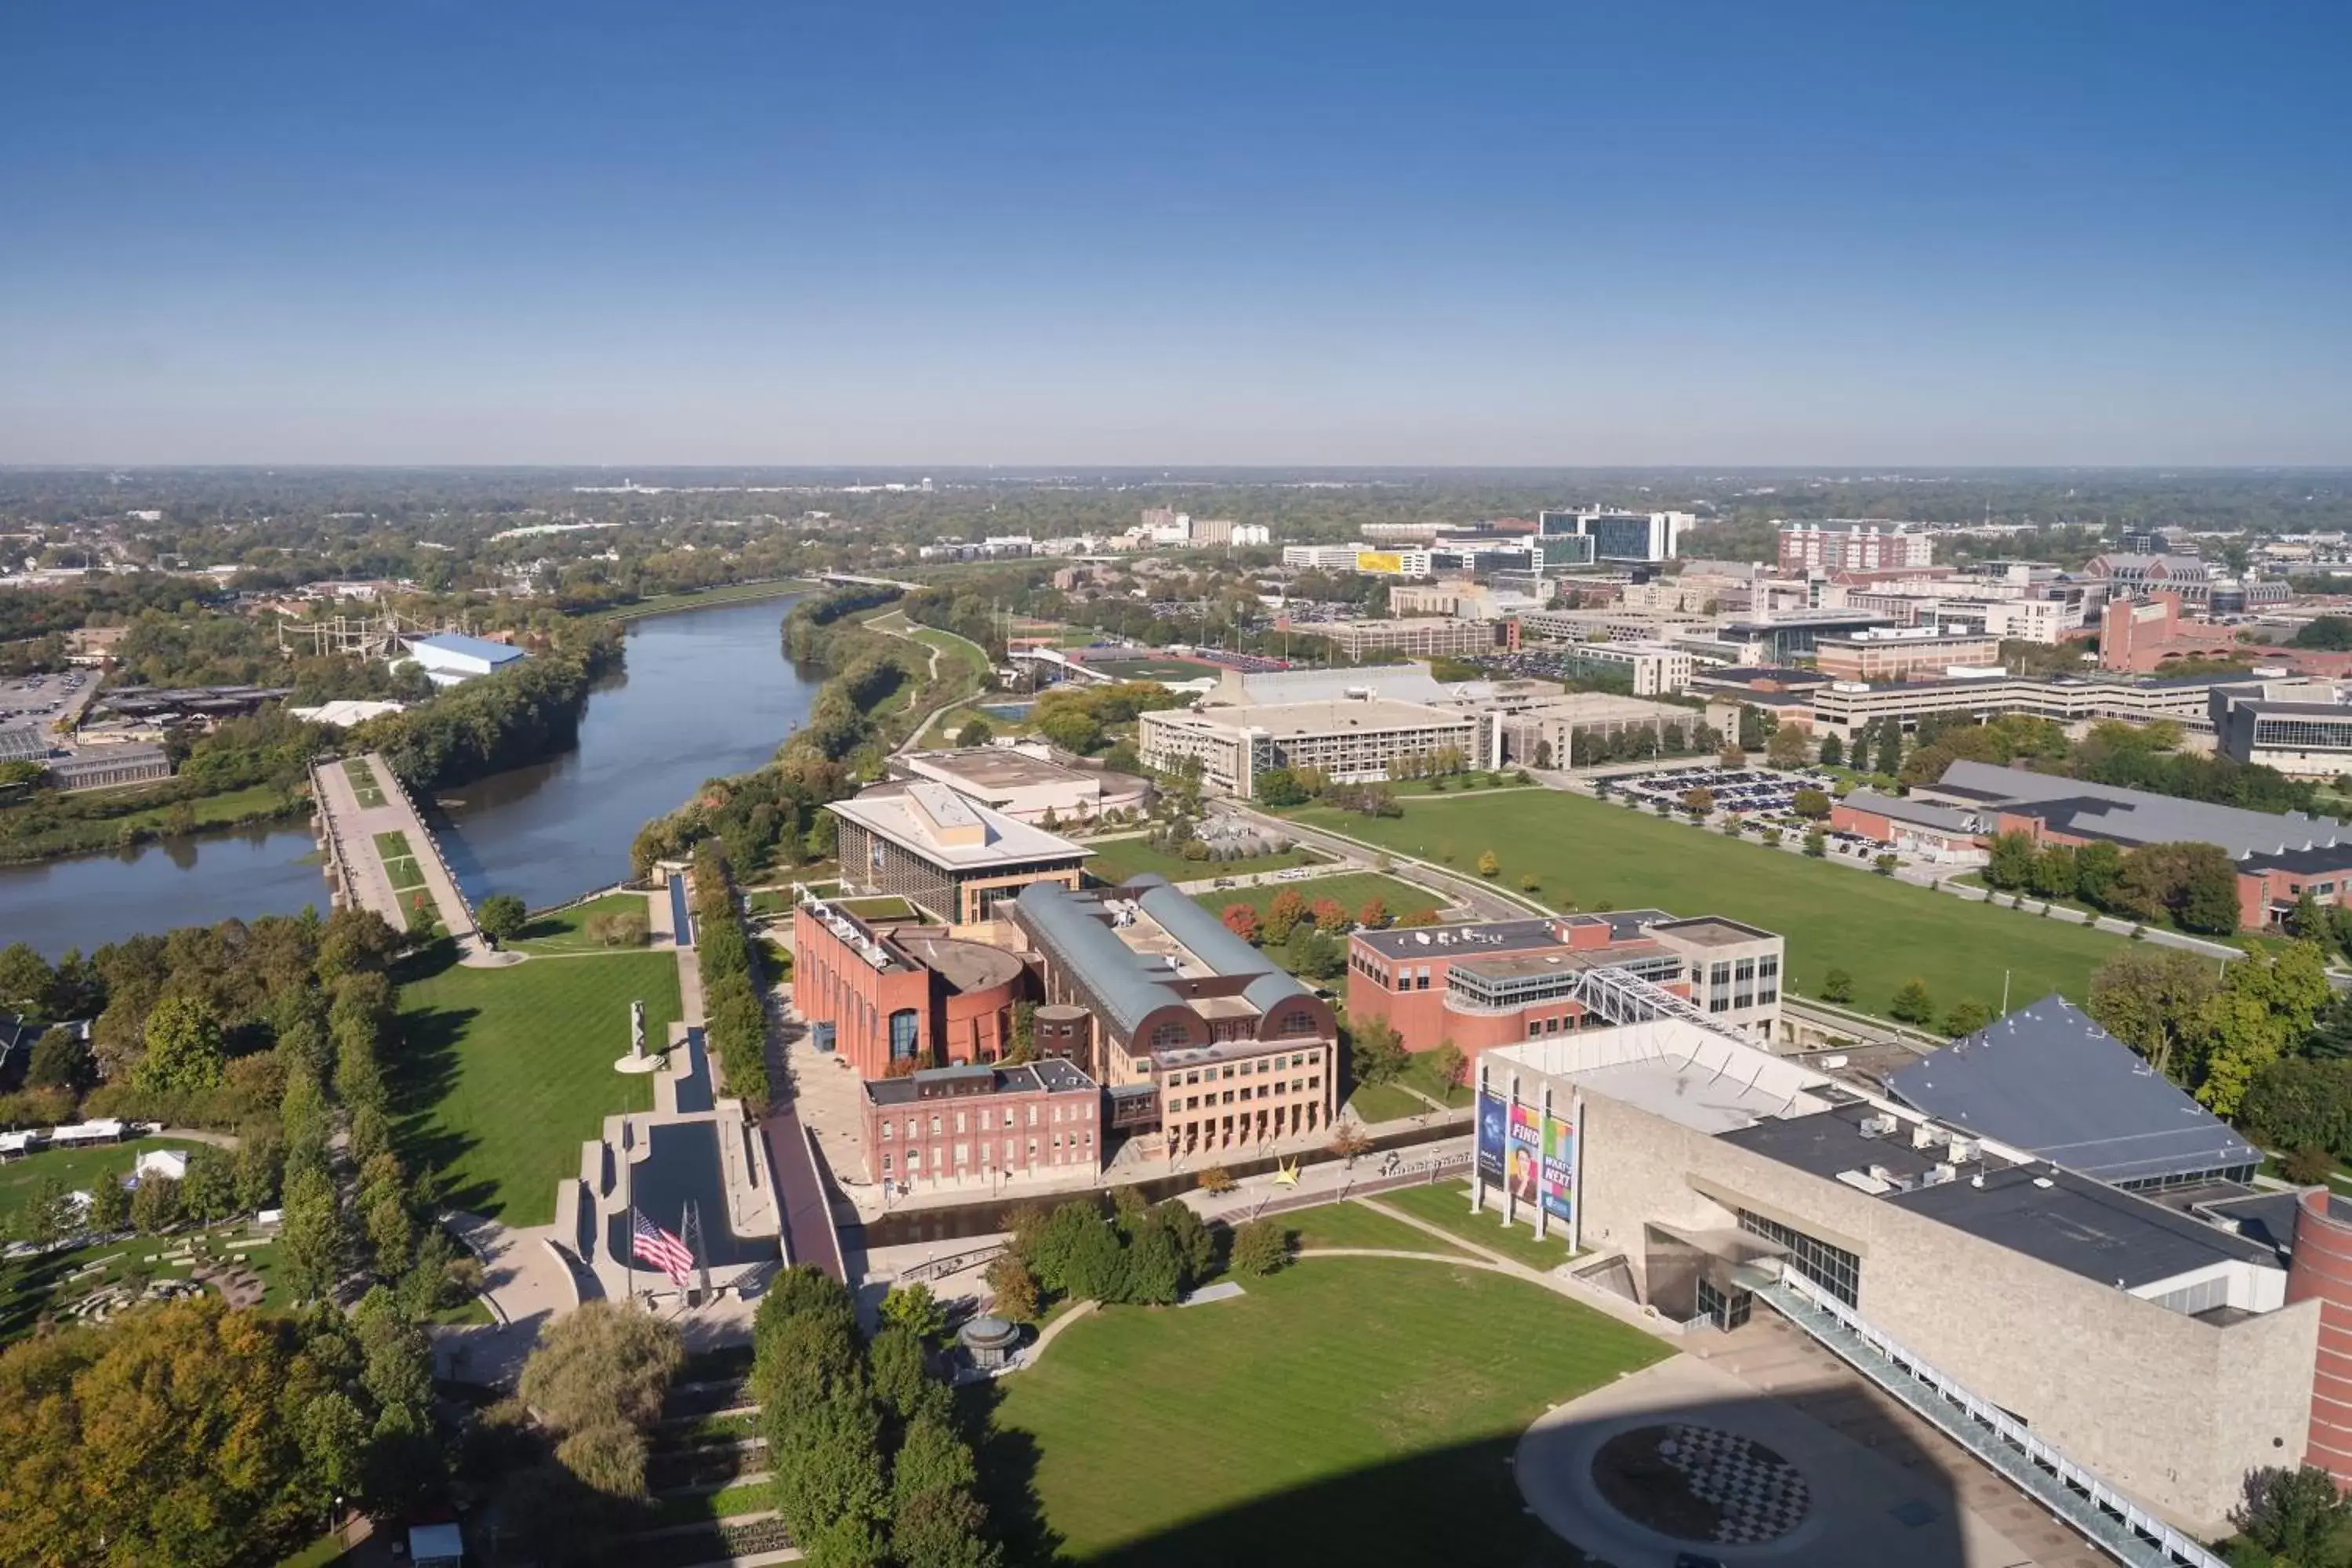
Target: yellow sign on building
x,y
1386,560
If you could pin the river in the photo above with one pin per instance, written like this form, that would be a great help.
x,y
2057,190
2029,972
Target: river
x,y
705,692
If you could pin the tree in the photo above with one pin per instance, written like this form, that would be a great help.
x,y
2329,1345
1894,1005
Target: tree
x,y
1964,1018
1278,788
1837,986
1015,1289
61,1059
1890,750
2209,895
1376,1051
110,1204
2096,866
1216,1179
184,1047
501,916
2296,1515
1698,801
598,1378
2152,1000
1155,1274
1196,1246
1349,1139
897,1370
1451,1068
978,732
916,1310
1911,1004
1282,915
1832,750
2011,864
1884,865
1374,916
1330,917
2053,875
1489,866
1817,844
1812,805
26,980
2331,1032
208,1193
311,1241
1786,749
1260,1247
1732,755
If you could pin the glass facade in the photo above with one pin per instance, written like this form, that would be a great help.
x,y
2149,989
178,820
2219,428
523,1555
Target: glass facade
x,y
2307,734
1834,1269
904,1029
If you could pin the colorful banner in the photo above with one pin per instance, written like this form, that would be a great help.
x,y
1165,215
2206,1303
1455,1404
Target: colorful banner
x,y
1491,1118
1381,561
1559,1168
1524,1153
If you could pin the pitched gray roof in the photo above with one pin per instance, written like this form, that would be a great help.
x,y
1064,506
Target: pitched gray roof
x,y
1896,808
2049,1079
2135,816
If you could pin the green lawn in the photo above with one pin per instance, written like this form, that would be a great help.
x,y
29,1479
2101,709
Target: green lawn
x,y
76,1169
1881,931
1421,1072
1353,1224
365,786
1345,1410
566,930
881,909
1447,1203
1384,1102
1352,890
31,1286
1122,858
503,1073
399,867
961,659
1149,668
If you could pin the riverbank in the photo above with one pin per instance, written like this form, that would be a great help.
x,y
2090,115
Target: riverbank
x,y
707,598
129,818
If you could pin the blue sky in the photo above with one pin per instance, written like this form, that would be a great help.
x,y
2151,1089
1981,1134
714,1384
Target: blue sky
x,y
1282,233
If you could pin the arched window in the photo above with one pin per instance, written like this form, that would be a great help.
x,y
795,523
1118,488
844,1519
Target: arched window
x,y
1297,1021
904,1029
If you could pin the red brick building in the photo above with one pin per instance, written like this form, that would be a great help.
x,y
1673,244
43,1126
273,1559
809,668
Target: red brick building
x,y
892,998
1492,984
963,1126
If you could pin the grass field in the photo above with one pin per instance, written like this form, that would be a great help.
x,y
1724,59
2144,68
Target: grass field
x,y
364,782
1123,858
399,867
1447,1204
1151,669
1881,932
1421,1072
504,1072
566,930
1353,1224
1352,890
75,1168
31,1286
887,908
1384,1102
1345,1410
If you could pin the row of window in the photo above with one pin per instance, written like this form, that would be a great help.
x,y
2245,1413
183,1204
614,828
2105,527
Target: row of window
x,y
1244,1069
1083,1111
1062,1153
1262,1091
1834,1269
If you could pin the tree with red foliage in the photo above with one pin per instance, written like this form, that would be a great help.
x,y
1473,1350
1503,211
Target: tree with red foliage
x,y
1242,920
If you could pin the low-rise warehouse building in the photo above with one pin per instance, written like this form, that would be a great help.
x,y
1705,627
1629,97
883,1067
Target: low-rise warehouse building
x,y
449,658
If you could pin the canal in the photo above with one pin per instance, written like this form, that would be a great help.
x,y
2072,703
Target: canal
x,y
704,693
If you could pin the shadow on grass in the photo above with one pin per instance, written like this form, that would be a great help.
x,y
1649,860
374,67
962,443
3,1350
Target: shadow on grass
x,y
1872,1497
423,1071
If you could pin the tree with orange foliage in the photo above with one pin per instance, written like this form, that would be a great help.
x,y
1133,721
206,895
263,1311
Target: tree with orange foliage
x,y
1242,920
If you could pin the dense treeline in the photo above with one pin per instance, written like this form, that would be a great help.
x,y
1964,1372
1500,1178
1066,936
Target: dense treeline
x,y
189,1433
496,721
2192,886
2131,756
736,1021
872,1466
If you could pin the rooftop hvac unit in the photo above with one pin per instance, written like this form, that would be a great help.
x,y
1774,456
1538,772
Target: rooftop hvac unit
x,y
1963,1149
1422,936
1877,1126
1923,1135
1939,1174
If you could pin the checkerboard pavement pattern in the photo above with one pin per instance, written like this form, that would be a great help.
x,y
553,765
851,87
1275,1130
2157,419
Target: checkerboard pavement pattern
x,y
1761,1495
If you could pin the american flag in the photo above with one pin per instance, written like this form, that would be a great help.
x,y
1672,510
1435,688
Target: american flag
x,y
653,1245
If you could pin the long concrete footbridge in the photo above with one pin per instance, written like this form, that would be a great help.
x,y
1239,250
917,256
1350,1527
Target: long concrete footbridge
x,y
377,852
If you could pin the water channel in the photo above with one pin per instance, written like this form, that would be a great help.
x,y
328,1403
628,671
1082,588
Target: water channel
x,y
705,692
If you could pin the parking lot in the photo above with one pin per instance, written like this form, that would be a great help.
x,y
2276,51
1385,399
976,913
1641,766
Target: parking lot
x,y
1751,791
39,702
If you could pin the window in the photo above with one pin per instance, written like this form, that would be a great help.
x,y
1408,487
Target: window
x,y
960,1115
935,1124
904,1028
889,1127
914,1158
886,1165
1297,1021
1167,1036
1833,1268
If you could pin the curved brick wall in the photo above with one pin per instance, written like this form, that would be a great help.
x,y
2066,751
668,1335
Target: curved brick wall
x,y
2322,1269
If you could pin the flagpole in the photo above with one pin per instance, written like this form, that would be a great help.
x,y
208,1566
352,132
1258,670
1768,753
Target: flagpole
x,y
629,1212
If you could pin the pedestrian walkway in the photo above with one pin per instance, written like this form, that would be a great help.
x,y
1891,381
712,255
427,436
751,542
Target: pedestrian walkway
x,y
359,803
526,1284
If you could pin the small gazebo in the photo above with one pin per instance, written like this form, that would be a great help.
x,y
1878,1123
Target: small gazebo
x,y
989,1340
